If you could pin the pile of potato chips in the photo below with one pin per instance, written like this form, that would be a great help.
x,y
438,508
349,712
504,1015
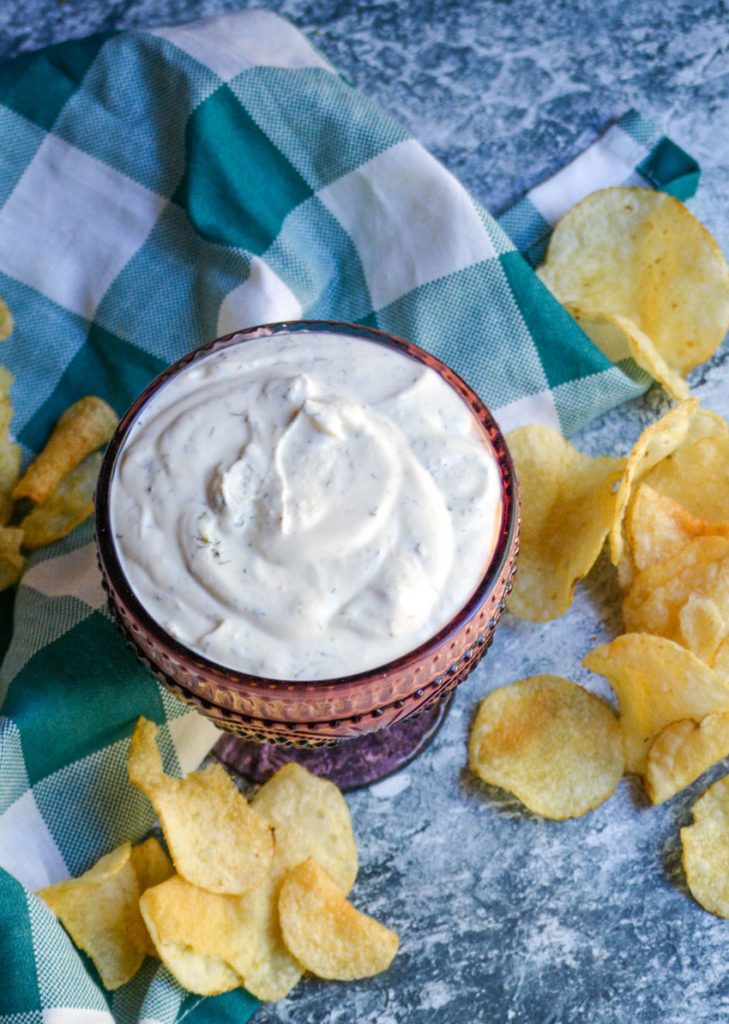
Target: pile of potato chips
x,y
255,893
57,491
638,263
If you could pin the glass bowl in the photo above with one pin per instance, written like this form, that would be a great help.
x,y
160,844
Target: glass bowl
x,y
321,713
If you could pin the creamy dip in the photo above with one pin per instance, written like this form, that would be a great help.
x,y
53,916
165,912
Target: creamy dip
x,y
305,506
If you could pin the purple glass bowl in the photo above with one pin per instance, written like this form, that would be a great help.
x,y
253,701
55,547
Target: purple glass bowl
x,y
312,714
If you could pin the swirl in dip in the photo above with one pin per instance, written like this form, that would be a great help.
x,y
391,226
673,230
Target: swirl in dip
x,y
305,506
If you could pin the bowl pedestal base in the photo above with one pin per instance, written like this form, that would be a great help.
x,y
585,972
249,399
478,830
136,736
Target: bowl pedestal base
x,y
351,763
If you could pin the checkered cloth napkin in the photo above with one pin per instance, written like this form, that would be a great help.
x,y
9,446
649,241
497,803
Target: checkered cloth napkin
x,y
159,188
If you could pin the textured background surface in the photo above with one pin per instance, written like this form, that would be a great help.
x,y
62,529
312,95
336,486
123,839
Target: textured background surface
x,y
505,917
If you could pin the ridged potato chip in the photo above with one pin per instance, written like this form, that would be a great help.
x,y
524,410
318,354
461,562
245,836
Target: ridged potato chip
x,y
695,474
84,427
641,255
568,505
71,503
550,743
619,338
311,818
9,452
702,628
166,913
12,561
657,527
325,933
684,598
682,752
194,812
656,442
100,911
657,682
706,849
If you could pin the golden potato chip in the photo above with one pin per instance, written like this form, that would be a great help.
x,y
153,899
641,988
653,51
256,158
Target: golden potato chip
x,y
311,818
695,475
550,743
654,444
6,321
568,505
161,910
720,661
619,338
12,562
683,751
84,427
664,599
325,933
70,504
152,866
100,911
657,527
657,682
706,849
643,256
702,628
9,452
241,933
195,812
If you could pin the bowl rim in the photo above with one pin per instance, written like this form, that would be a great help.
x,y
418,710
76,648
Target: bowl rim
x,y
110,563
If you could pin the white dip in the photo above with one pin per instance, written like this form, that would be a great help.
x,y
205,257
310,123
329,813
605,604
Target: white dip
x,y
305,506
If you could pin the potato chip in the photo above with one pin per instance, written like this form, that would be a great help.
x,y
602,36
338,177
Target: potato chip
x,y
654,444
12,562
567,507
706,849
161,910
619,338
550,743
100,911
9,452
325,933
695,475
664,599
657,682
240,933
311,818
195,812
70,504
683,751
84,427
657,527
152,866
720,661
702,628
642,255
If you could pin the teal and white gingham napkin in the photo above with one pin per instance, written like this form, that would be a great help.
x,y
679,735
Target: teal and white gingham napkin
x,y
158,188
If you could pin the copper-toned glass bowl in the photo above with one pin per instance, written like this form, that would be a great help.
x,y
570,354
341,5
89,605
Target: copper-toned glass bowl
x,y
311,714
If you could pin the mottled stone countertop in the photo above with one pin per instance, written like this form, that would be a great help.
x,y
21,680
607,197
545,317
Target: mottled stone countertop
x,y
506,917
